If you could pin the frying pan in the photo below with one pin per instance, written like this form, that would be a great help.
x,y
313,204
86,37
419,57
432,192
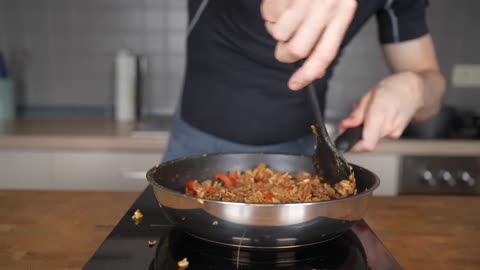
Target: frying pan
x,y
265,225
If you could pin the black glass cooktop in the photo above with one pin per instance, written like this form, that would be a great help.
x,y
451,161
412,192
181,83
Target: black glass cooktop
x,y
127,247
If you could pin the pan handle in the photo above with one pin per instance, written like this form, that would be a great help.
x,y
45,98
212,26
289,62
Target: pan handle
x,y
348,139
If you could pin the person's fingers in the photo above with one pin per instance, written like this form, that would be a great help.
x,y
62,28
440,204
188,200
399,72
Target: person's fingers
x,y
358,114
306,36
298,48
357,148
384,124
290,20
350,122
399,125
372,129
269,26
271,10
395,134
360,147
325,51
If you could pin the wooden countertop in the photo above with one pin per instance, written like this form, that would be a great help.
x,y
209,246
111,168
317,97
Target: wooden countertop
x,y
61,230
102,134
78,134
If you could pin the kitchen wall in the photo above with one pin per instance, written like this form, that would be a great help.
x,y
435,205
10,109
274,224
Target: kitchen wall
x,y
62,52
454,26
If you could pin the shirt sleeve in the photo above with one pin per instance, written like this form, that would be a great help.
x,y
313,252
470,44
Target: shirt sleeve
x,y
402,20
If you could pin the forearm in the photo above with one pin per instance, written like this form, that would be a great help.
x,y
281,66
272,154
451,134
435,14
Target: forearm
x,y
431,86
417,60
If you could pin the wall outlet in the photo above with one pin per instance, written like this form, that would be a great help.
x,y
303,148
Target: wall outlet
x,y
466,76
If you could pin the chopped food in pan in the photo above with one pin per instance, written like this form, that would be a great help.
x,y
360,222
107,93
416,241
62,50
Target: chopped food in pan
x,y
182,264
137,217
152,243
263,185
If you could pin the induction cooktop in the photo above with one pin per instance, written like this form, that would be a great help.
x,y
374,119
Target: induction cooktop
x,y
155,243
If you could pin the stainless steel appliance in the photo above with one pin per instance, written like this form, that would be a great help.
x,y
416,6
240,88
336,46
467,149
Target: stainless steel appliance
x,y
440,175
262,225
443,174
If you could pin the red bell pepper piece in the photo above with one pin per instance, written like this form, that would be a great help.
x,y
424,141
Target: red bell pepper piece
x,y
268,196
190,184
211,190
225,179
260,178
233,175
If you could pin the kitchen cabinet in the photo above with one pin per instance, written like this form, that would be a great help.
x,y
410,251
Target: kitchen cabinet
x,y
102,170
25,170
125,170
75,170
386,166
98,154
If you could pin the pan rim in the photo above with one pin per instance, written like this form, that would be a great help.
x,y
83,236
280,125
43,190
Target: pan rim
x,y
152,181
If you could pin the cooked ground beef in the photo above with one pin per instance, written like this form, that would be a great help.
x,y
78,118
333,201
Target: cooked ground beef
x,y
263,185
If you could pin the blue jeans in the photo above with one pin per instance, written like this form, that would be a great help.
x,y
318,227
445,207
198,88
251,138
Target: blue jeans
x,y
186,140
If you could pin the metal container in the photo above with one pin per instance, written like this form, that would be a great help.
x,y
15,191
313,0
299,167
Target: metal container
x,y
265,225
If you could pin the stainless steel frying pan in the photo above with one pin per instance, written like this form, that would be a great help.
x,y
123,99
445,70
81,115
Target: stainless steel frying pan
x,y
255,225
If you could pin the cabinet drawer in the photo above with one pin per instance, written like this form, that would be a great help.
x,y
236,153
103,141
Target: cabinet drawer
x,y
385,166
25,170
102,170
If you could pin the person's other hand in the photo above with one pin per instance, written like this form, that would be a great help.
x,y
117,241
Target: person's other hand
x,y
311,29
385,110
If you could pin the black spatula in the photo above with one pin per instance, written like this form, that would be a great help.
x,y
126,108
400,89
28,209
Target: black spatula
x,y
328,160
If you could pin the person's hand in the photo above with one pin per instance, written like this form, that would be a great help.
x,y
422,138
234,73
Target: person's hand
x,y
386,110
311,29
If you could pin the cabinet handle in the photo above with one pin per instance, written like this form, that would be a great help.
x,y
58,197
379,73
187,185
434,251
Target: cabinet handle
x,y
135,175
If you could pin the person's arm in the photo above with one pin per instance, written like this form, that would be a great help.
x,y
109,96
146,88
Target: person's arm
x,y
413,92
418,56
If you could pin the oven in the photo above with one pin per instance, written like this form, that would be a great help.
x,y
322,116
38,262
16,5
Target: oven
x,y
457,173
446,175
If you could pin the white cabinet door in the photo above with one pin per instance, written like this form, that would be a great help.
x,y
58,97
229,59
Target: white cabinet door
x,y
384,165
25,170
102,170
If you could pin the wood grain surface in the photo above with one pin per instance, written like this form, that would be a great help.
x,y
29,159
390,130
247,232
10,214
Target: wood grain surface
x,y
429,232
56,230
61,230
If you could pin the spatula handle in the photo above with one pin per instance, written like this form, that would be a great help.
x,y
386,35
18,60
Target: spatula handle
x,y
348,139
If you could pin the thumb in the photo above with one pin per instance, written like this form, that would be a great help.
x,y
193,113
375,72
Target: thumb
x,y
357,116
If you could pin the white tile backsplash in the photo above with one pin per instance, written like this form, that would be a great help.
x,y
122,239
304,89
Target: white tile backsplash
x,y
157,65
155,43
69,47
177,20
37,21
176,63
155,19
176,42
85,89
173,4
119,20
157,95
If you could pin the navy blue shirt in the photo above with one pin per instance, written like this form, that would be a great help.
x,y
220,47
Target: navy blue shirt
x,y
234,87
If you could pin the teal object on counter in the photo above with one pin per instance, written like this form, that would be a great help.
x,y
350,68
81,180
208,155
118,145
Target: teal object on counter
x,y
7,100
